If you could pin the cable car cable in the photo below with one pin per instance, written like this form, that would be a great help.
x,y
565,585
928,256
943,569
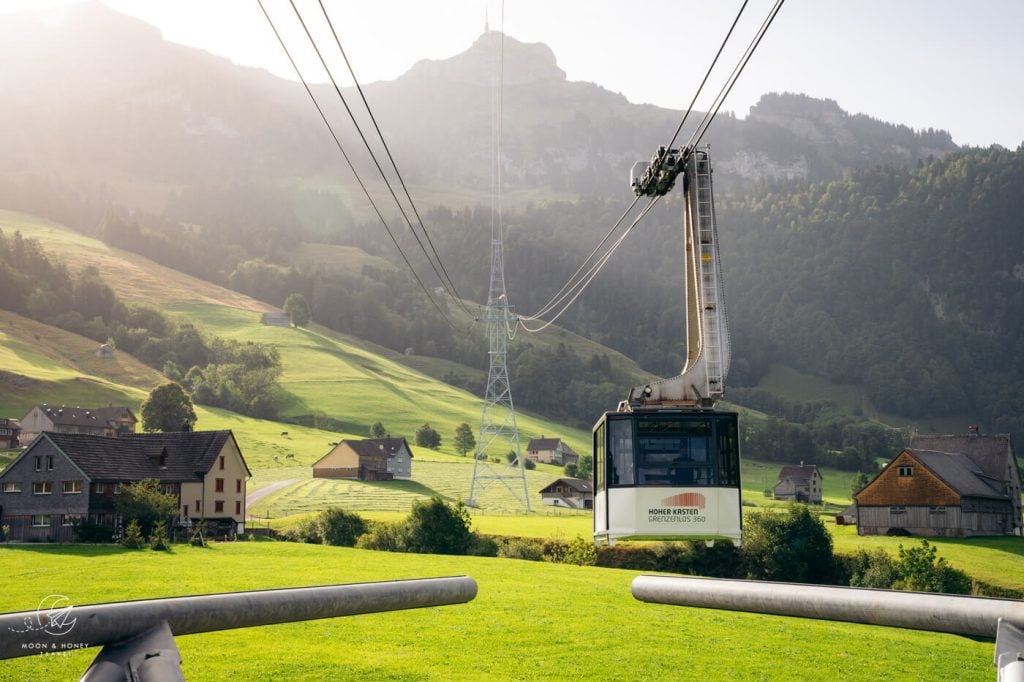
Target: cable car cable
x,y
594,269
366,143
401,180
359,180
707,75
569,284
705,123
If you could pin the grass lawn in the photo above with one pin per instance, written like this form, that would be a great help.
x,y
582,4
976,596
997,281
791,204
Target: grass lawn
x,y
529,621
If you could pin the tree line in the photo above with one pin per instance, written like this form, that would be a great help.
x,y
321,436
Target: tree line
x,y
241,377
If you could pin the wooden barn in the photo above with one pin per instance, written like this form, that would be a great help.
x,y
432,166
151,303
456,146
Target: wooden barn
x,y
969,487
372,459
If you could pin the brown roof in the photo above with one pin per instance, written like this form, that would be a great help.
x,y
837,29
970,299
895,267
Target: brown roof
x,y
374,447
991,453
77,416
797,472
580,485
543,444
960,473
187,454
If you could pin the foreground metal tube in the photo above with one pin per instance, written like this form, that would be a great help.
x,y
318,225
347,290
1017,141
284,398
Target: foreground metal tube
x,y
60,627
975,616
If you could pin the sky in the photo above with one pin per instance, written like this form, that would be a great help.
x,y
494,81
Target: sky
x,y
943,64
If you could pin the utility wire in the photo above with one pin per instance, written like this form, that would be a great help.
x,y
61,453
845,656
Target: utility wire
x,y
594,269
705,123
359,180
570,284
707,75
366,143
412,204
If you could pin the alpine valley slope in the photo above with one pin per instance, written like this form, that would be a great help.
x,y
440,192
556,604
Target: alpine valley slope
x,y
324,373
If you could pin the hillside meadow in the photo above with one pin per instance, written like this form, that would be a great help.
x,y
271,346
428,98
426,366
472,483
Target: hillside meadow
x,y
529,621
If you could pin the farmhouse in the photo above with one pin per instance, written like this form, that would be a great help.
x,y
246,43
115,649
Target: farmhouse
x,y
946,486
10,433
371,459
799,483
575,493
62,479
103,421
551,451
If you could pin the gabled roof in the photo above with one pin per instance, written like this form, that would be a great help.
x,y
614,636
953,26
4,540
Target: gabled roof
x,y
543,443
798,472
580,485
375,447
959,472
991,453
10,423
77,416
186,455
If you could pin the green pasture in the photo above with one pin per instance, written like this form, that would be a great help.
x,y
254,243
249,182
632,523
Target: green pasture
x,y
530,620
326,373
448,479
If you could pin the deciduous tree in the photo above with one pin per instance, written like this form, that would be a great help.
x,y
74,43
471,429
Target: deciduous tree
x,y
167,408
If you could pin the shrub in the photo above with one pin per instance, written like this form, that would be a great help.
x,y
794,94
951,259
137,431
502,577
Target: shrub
x,y
94,532
483,545
158,538
792,547
521,548
436,527
921,570
871,569
133,536
581,552
384,537
340,528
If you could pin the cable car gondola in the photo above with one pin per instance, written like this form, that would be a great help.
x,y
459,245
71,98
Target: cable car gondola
x,y
667,464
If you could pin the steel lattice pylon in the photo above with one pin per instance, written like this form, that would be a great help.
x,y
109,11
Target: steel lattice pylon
x,y
499,433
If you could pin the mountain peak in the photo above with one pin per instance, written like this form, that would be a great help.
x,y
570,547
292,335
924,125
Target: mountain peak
x,y
521,63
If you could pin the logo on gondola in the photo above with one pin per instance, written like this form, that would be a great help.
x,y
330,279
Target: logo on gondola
x,y
685,500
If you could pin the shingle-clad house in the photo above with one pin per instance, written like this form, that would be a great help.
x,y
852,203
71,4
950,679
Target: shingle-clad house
x,y
63,478
551,451
574,493
799,483
969,487
371,459
101,421
10,433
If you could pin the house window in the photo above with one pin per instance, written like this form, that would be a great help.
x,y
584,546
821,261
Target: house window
x,y
39,463
72,487
222,462
199,507
12,487
897,510
41,521
218,506
117,488
238,508
936,510
168,489
219,485
71,519
42,488
99,488
49,462
906,471
238,485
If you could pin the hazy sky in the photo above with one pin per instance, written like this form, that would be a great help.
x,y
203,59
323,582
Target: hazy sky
x,y
925,63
